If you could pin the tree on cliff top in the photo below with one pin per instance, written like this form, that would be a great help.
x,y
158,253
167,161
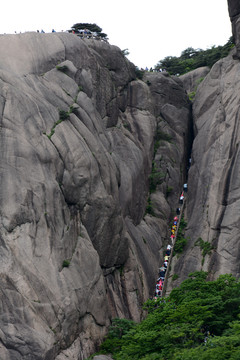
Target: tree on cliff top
x,y
91,27
192,59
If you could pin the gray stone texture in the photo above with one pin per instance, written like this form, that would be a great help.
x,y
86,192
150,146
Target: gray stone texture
x,y
193,78
234,13
212,208
78,134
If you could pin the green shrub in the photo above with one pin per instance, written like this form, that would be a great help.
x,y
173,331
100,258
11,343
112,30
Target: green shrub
x,y
205,246
117,330
65,263
73,109
64,115
191,95
181,241
179,245
161,135
62,68
139,73
191,59
175,277
169,190
198,321
149,207
155,178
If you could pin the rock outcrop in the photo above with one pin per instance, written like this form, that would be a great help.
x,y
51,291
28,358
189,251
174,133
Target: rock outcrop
x,y
234,13
81,236
213,197
193,78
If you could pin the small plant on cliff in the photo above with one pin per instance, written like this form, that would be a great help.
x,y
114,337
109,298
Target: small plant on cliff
x,y
149,207
169,190
181,241
191,95
159,137
63,115
65,263
155,178
62,68
205,246
139,73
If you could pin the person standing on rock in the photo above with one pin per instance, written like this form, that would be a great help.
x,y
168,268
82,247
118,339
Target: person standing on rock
x,y
181,198
168,252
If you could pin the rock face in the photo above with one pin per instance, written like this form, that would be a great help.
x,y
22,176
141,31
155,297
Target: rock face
x,y
234,13
79,133
213,197
193,78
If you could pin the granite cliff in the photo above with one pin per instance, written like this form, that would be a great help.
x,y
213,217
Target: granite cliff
x,y
212,206
92,162
93,159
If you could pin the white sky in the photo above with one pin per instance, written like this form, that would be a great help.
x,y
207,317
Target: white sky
x,y
150,30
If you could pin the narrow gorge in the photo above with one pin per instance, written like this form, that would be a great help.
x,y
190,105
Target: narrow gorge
x,y
94,154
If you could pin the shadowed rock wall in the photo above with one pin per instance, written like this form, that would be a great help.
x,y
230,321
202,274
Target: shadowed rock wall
x,y
79,133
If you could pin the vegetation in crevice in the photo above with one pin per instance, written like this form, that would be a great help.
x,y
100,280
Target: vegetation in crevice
x,y
66,263
62,68
149,208
63,115
161,136
181,241
175,277
205,246
192,94
155,178
169,190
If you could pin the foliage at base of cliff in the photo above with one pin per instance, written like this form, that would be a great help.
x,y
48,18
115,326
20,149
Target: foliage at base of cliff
x,y
199,320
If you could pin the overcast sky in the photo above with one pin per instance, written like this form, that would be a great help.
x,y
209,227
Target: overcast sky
x,y
150,30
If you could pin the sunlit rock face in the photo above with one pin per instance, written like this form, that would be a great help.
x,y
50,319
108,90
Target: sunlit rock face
x,y
193,78
79,133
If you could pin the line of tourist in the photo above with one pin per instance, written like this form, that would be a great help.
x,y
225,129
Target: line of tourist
x,y
163,269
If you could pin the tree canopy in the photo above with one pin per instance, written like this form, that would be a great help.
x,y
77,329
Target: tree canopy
x,y
198,321
94,28
191,59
